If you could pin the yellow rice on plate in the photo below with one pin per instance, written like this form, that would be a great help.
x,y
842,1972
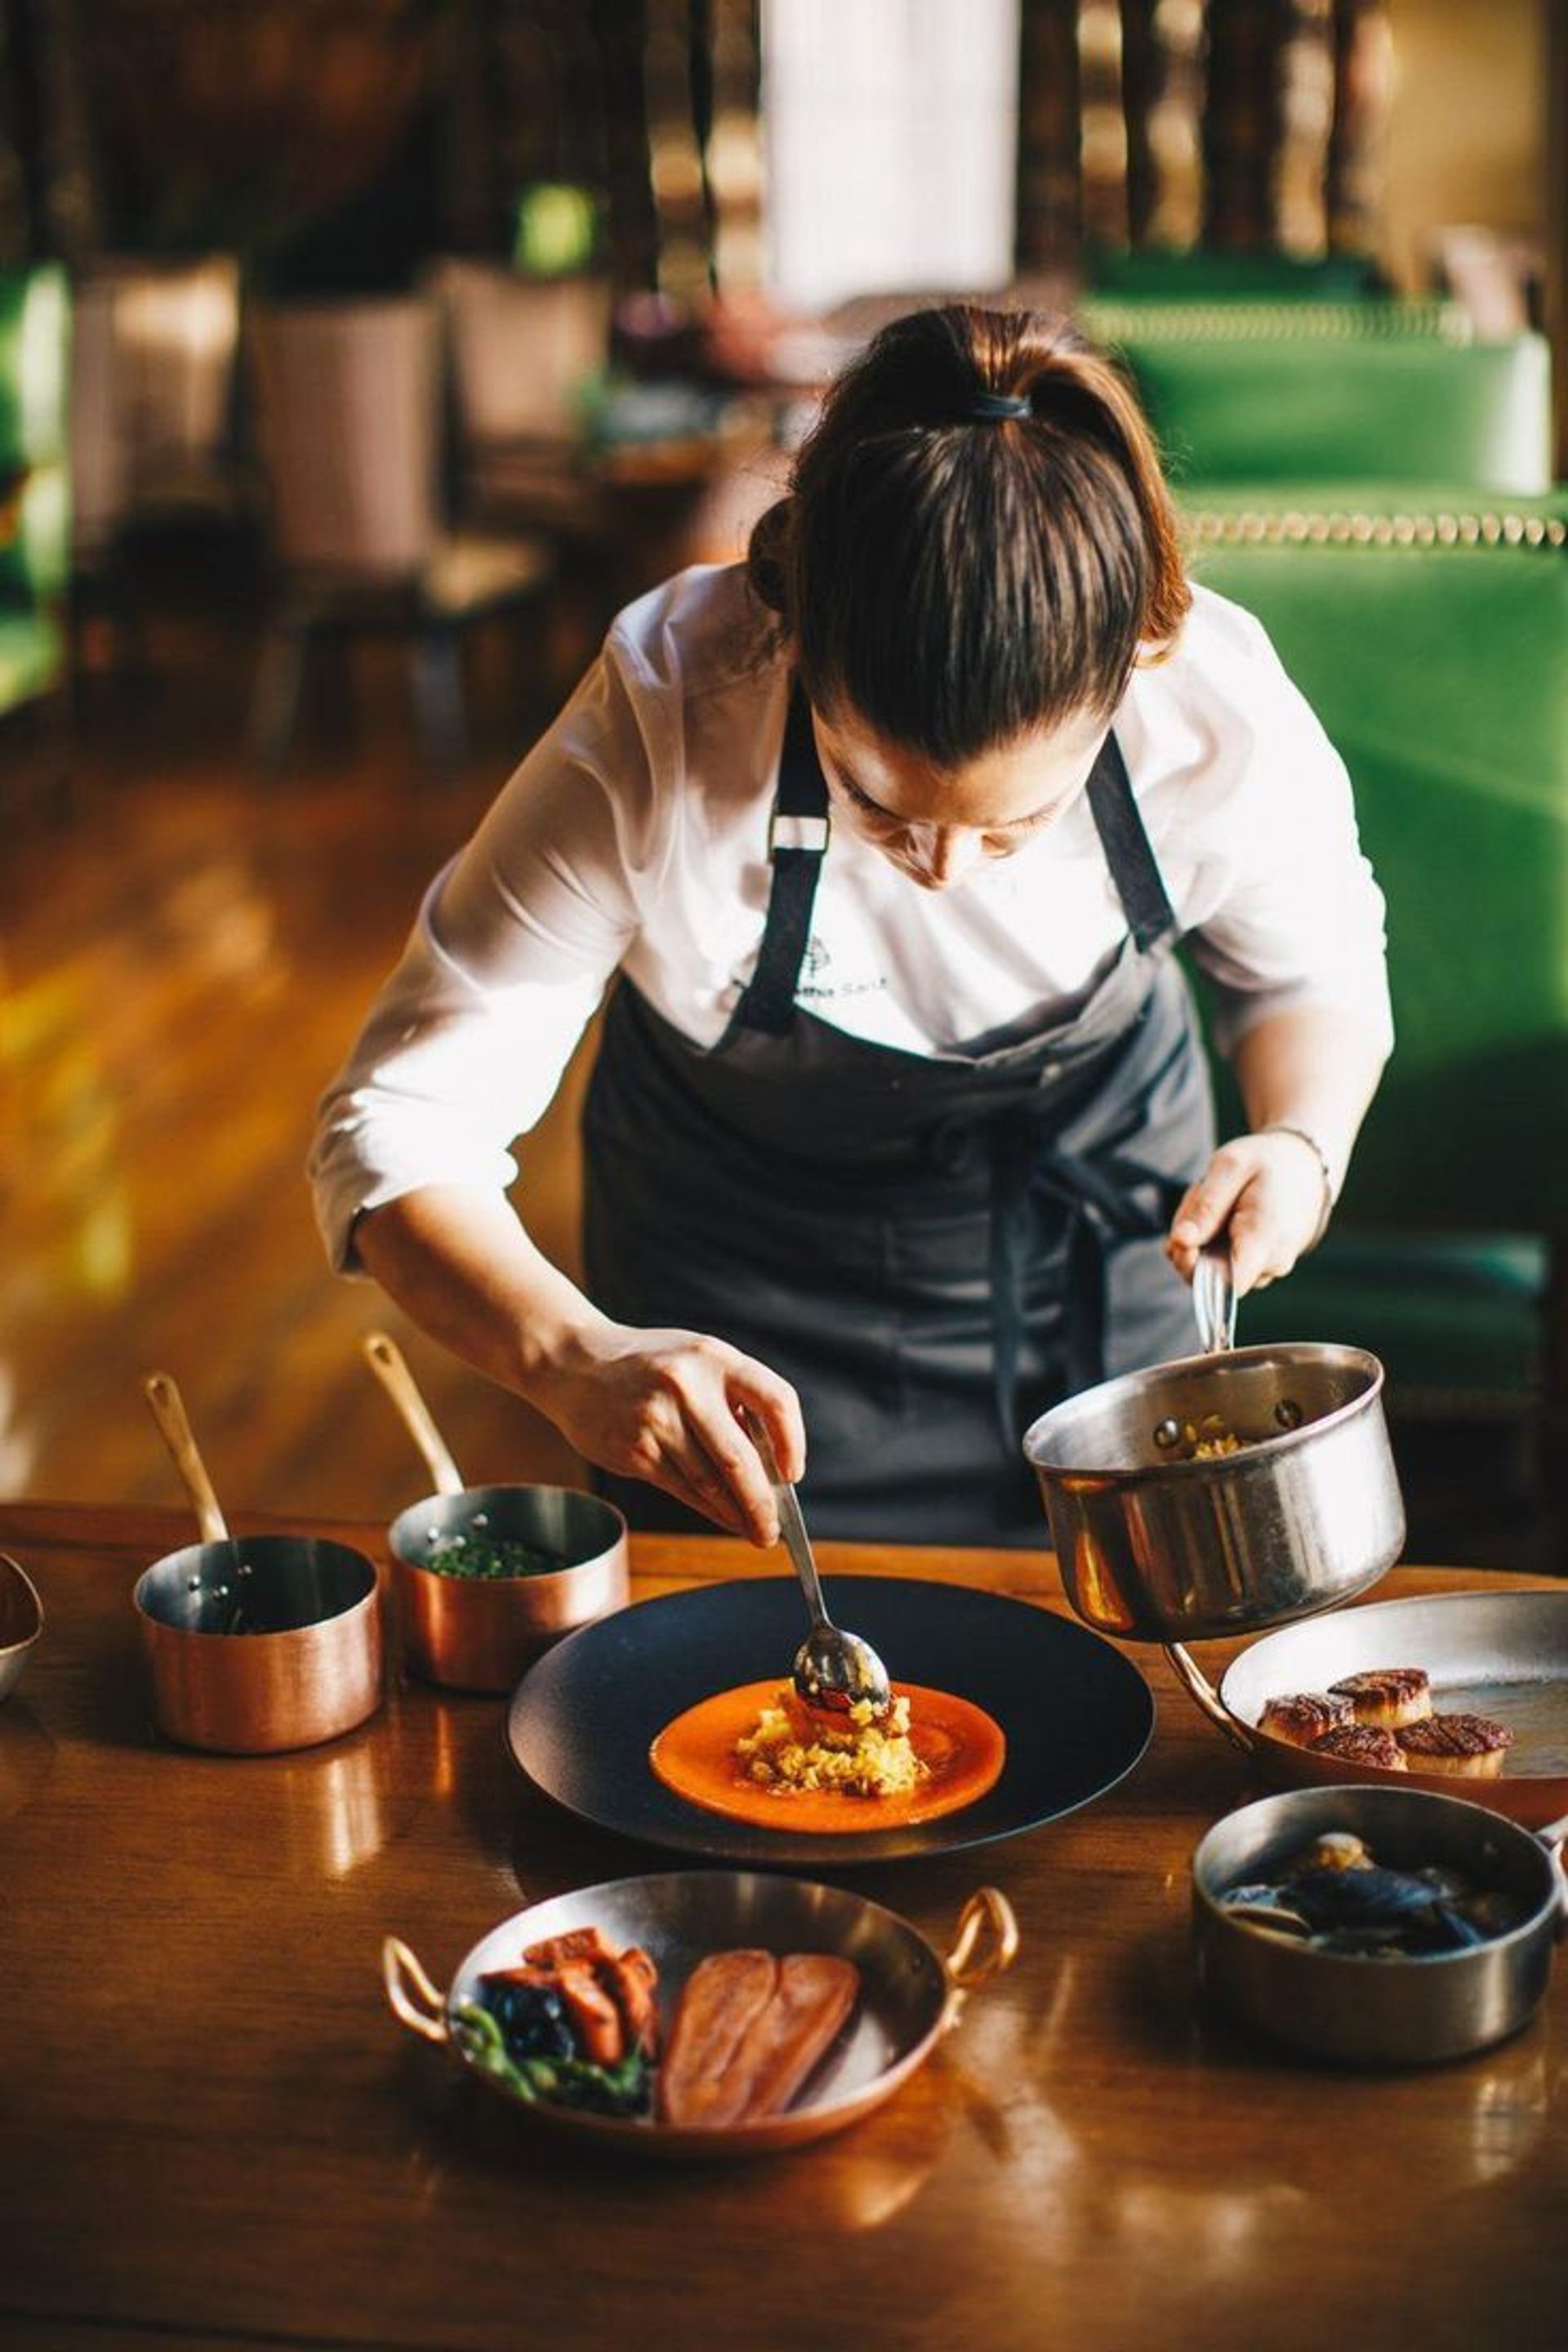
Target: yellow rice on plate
x,y
793,1749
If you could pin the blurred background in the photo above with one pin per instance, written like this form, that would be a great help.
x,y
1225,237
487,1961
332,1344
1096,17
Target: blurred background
x,y
360,357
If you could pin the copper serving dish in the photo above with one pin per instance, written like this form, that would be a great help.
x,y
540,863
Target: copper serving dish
x,y
21,1621
911,1995
1502,1655
482,1634
255,1643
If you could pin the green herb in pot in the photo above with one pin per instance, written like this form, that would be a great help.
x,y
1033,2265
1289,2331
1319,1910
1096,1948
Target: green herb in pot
x,y
469,1551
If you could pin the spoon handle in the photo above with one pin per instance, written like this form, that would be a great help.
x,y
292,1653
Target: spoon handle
x,y
797,1543
792,1524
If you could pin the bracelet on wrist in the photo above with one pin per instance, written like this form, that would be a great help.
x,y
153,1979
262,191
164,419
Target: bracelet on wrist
x,y
1325,1169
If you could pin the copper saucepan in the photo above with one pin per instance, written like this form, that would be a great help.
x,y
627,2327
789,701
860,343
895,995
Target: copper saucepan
x,y
910,1996
482,1634
256,1644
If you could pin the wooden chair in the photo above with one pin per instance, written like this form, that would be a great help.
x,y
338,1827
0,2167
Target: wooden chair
x,y
348,400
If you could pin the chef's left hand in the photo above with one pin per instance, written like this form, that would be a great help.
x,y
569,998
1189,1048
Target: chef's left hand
x,y
1265,1194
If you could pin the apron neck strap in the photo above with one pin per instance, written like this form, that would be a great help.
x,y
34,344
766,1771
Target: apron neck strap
x,y
1133,867
797,841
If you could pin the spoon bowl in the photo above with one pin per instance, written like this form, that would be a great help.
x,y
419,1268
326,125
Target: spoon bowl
x,y
836,1672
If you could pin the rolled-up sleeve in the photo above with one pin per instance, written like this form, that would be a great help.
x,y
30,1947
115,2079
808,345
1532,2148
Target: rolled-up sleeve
x,y
511,953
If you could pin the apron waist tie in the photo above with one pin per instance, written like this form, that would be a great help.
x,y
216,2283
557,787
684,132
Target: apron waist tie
x,y
1109,1198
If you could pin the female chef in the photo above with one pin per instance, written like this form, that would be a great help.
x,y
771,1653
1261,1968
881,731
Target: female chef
x,y
899,1127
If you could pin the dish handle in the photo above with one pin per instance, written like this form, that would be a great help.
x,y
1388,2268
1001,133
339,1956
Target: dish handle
x,y
1204,1697
984,1943
1554,1838
399,1969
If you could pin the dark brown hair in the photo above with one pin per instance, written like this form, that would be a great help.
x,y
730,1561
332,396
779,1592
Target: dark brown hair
x,y
957,581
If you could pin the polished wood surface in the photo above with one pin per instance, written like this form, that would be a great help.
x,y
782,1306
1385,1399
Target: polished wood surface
x,y
182,968
212,2131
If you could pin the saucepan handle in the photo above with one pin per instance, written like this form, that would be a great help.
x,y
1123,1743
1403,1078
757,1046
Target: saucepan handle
x,y
400,1970
387,1360
1206,1697
1554,1837
986,1942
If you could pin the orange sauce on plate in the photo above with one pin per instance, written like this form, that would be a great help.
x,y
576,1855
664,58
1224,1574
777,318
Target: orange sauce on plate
x,y
695,1756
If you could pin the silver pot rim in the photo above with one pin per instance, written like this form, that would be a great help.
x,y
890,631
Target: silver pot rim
x,y
1310,1351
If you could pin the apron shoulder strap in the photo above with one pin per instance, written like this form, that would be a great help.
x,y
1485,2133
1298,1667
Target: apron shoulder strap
x,y
797,841
1133,867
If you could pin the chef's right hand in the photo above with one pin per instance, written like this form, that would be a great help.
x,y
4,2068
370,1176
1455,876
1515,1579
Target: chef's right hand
x,y
663,1405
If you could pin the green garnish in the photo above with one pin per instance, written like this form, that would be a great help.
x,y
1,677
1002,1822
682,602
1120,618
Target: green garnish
x,y
466,1553
623,2089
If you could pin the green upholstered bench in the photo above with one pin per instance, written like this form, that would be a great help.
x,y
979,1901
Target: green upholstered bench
x,y
35,506
1164,274
1430,633
1364,390
1127,320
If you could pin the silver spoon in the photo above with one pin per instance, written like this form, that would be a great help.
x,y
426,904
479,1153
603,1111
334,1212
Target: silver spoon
x,y
834,1671
1214,1299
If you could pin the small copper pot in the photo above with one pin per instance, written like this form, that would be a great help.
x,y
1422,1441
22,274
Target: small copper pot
x,y
261,1643
256,1644
482,1634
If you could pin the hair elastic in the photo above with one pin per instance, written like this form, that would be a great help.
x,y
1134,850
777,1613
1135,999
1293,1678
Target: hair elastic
x,y
997,406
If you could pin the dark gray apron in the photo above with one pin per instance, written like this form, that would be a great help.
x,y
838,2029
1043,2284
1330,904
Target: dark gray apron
x,y
932,1249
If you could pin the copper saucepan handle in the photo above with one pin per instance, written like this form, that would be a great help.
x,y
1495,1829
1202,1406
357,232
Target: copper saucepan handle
x,y
1206,1698
386,1359
986,1942
400,1969
169,1413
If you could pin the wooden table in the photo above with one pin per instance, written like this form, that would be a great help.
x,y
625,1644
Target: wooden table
x,y
212,2133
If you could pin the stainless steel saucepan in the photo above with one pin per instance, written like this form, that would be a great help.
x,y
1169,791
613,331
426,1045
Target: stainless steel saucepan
x,y
1354,2007
1164,1536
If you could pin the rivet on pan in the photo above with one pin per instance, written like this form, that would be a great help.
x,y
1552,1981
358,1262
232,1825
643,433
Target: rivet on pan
x,y
1167,1433
1288,1413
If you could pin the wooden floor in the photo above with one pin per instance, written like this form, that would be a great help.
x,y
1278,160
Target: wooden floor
x,y
181,965
183,962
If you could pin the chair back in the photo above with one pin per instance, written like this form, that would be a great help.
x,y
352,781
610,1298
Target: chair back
x,y
153,357
349,423
521,351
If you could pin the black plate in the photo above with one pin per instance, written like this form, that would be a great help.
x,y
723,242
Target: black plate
x,y
1077,1714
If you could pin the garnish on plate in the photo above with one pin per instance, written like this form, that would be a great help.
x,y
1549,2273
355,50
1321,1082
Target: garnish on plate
x,y
758,1754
